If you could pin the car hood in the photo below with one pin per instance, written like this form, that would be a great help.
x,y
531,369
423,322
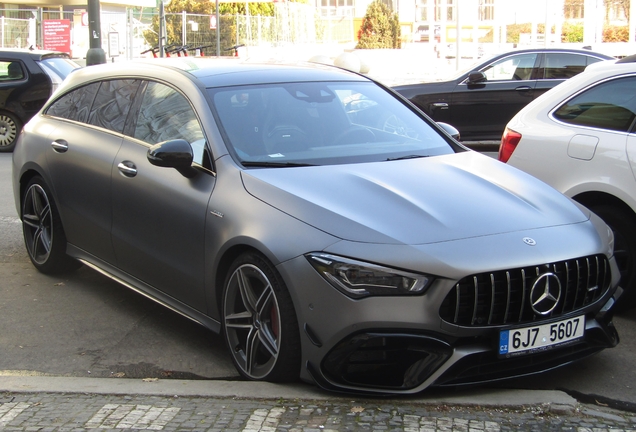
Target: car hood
x,y
415,201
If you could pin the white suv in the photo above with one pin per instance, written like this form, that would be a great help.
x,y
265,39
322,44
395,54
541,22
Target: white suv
x,y
580,138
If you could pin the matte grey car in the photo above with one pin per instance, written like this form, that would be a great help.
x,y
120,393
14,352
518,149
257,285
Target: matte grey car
x,y
321,222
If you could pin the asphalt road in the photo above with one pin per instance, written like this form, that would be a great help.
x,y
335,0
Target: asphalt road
x,y
84,325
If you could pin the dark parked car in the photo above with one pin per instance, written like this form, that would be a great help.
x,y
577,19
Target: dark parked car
x,y
27,80
481,100
317,221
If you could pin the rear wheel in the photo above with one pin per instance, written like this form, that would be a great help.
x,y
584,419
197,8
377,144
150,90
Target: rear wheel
x,y
622,224
43,233
10,127
259,321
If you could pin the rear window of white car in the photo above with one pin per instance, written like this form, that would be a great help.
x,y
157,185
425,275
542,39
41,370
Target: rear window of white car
x,y
609,105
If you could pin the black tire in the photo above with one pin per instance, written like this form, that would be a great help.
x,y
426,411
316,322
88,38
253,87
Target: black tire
x,y
42,229
10,128
622,224
259,321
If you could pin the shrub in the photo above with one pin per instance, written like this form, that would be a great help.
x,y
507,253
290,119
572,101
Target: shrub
x,y
380,28
615,34
572,32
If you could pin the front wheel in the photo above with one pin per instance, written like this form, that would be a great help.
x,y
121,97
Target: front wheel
x,y
259,322
622,224
43,233
10,127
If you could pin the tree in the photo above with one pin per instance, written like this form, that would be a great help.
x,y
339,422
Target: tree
x,y
227,26
380,28
620,5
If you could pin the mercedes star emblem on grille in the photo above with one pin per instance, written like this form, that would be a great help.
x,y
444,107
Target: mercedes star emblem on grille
x,y
545,293
529,241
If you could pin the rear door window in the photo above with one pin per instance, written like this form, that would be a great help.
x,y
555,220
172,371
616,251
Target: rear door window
x,y
564,65
11,70
112,103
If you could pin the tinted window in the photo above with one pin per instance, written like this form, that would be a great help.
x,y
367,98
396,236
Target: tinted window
x,y
10,71
112,104
517,67
322,123
564,66
76,104
609,105
166,114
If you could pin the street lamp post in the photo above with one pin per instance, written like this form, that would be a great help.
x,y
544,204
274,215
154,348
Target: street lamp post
x,y
95,54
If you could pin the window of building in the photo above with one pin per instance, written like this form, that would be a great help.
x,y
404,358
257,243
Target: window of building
x,y
486,10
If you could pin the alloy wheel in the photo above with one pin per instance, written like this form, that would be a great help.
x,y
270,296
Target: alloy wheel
x,y
37,221
252,321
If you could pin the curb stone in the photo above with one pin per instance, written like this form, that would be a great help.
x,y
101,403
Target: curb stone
x,y
556,401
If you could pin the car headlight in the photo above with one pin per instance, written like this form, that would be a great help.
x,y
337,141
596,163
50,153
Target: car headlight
x,y
359,279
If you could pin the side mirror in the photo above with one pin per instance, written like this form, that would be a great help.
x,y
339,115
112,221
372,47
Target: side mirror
x,y
175,154
477,77
454,133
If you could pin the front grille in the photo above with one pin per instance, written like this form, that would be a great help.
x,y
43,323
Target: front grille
x,y
503,297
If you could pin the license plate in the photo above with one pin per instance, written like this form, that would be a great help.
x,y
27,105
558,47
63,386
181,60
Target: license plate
x,y
528,339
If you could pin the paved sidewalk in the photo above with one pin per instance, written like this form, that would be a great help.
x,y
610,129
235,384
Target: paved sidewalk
x,y
78,404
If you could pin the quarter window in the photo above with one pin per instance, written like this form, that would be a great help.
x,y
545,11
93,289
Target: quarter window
x,y
165,114
76,104
610,105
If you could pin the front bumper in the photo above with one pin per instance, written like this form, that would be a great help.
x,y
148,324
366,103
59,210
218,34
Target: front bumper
x,y
407,363
394,345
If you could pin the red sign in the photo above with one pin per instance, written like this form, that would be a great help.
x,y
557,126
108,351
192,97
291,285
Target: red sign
x,y
57,35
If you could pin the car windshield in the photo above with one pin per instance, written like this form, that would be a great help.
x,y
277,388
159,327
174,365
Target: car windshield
x,y
321,123
59,65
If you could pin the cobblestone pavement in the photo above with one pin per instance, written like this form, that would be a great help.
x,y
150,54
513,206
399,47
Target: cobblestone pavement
x,y
79,412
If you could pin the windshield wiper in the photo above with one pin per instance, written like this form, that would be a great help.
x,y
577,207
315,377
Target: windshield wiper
x,y
407,157
266,164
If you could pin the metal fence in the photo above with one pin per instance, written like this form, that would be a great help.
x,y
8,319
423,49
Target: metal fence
x,y
136,31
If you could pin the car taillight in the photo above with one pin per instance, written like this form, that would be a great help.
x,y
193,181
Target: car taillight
x,y
509,142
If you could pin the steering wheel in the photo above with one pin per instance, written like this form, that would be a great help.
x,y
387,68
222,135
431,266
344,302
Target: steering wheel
x,y
285,138
354,135
392,124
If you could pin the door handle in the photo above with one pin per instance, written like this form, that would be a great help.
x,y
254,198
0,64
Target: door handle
x,y
127,168
524,88
440,105
60,145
